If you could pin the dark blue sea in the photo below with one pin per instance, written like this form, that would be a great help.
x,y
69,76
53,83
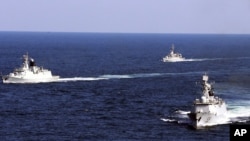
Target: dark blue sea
x,y
115,86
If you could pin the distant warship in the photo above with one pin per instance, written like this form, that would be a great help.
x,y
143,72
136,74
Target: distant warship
x,y
29,73
173,57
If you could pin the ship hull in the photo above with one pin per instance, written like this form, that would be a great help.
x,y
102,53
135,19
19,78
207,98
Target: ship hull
x,y
7,79
209,115
175,59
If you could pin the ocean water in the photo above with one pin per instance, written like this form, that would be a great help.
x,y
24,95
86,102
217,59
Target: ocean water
x,y
115,86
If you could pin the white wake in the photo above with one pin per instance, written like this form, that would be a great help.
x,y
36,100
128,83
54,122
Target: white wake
x,y
79,79
209,59
122,76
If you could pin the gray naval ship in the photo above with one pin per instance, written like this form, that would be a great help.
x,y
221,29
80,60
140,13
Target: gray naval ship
x,y
209,110
173,56
29,73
